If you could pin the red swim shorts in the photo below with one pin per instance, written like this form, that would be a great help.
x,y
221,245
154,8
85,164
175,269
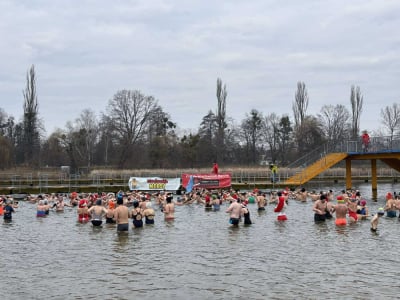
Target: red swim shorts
x,y
341,222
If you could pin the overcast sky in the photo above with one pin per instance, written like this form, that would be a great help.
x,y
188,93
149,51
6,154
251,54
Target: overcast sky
x,y
86,51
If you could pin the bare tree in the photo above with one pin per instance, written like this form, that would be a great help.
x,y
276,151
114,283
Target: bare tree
x,y
69,141
87,125
106,134
271,135
3,121
356,100
6,145
6,152
221,118
390,116
7,125
31,135
300,104
129,111
335,122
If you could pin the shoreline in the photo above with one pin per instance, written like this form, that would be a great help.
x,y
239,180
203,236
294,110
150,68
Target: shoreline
x,y
114,186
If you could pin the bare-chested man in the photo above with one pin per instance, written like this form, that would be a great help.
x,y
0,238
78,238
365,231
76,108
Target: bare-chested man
x,y
390,206
260,199
314,196
235,210
320,208
302,195
397,202
59,205
97,213
143,202
169,209
121,215
340,209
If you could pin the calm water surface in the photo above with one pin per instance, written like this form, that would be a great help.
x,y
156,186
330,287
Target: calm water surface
x,y
199,256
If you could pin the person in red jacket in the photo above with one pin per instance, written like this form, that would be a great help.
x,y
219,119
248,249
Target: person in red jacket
x,y
215,168
365,141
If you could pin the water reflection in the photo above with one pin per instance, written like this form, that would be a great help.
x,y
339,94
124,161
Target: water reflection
x,y
342,230
122,239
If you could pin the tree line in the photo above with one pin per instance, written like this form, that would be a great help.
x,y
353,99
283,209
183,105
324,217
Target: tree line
x,y
134,131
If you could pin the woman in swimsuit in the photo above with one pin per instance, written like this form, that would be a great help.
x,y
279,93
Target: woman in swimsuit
x,y
246,213
110,212
137,215
362,210
149,213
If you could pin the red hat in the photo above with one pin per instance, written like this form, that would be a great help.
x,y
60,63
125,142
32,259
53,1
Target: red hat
x,y
82,203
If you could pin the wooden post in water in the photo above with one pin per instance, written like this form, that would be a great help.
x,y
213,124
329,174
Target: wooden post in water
x,y
348,173
374,180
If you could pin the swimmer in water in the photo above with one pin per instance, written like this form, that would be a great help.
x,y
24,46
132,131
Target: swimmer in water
x,y
375,219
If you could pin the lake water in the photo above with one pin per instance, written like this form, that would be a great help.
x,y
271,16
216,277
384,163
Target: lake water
x,y
199,256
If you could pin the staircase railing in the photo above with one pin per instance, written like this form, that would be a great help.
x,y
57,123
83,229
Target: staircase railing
x,y
377,144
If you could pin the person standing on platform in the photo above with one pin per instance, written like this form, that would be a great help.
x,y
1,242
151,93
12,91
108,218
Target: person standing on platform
x,y
365,141
215,168
274,172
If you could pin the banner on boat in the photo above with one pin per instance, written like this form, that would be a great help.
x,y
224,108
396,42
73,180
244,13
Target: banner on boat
x,y
206,181
154,184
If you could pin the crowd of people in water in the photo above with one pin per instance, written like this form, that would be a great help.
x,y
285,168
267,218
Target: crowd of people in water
x,y
137,206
